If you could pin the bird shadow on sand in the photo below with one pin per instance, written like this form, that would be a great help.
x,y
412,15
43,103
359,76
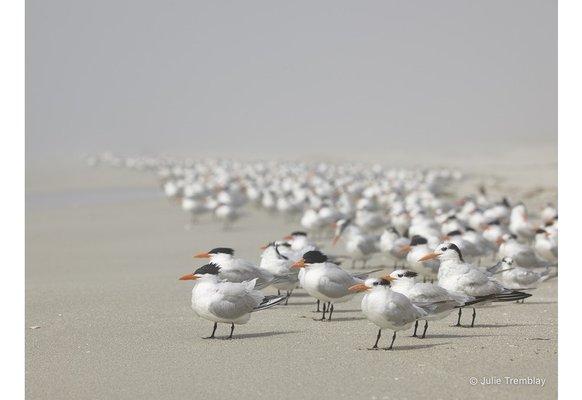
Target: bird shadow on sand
x,y
537,302
408,347
259,335
347,319
419,346
453,336
501,325
299,295
301,303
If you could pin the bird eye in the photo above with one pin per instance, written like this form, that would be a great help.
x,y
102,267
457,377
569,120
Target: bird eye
x,y
400,275
375,283
443,249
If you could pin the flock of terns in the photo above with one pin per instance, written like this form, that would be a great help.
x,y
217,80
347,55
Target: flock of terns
x,y
447,253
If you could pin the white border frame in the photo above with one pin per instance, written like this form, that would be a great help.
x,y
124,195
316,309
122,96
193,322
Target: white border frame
x,y
12,209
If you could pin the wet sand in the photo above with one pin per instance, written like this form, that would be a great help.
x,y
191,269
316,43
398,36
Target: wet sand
x,y
104,251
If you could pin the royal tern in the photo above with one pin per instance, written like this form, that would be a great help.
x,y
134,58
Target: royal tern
x,y
463,279
386,308
300,243
549,213
360,247
521,253
235,269
519,223
512,276
493,233
418,248
325,281
470,251
435,300
225,302
546,246
393,245
499,212
277,258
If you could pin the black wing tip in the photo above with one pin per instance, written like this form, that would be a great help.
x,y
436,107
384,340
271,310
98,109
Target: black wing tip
x,y
270,301
512,296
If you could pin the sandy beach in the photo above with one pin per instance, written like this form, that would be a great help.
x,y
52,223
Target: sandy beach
x,y
104,251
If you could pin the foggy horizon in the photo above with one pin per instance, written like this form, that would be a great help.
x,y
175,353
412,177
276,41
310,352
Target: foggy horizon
x,y
266,80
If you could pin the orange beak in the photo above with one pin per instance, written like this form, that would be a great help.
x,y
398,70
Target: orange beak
x,y
264,247
189,277
499,241
360,287
406,248
335,240
202,255
299,264
388,278
427,257
288,237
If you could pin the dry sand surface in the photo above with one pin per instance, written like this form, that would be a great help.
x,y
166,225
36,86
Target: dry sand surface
x,y
104,252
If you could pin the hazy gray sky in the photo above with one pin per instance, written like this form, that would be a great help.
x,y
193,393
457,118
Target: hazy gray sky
x,y
270,78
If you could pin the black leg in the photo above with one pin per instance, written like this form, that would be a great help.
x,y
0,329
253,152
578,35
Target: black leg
x,y
415,328
278,292
459,319
213,331
473,320
288,295
392,343
375,347
425,328
323,312
231,330
318,310
330,311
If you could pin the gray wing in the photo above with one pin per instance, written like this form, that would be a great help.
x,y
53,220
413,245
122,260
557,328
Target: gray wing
x,y
336,282
403,311
243,271
233,300
368,246
476,283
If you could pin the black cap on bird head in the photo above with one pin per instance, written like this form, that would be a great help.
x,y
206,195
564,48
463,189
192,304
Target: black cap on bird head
x,y
456,232
314,257
417,239
507,260
211,269
382,282
298,233
407,274
454,247
222,250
